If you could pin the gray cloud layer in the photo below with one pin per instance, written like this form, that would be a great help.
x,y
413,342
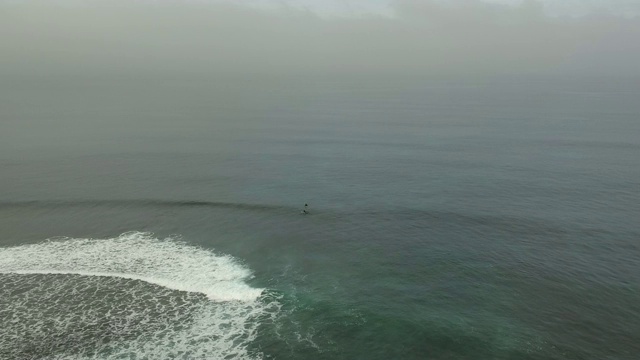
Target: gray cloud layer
x,y
425,37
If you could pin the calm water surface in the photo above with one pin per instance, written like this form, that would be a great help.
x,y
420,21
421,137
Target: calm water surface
x,y
152,218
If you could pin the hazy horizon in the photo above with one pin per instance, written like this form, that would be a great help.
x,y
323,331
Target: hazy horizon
x,y
404,37
320,179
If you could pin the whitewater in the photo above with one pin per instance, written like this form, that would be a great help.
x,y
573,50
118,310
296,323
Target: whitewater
x,y
133,296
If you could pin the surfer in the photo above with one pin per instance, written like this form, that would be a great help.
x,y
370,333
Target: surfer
x,y
304,211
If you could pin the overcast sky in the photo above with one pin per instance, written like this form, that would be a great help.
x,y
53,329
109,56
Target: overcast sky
x,y
455,37
551,7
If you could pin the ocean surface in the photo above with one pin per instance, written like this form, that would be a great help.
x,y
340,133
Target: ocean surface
x,y
160,218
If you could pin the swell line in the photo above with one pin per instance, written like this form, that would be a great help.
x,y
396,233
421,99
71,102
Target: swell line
x,y
143,203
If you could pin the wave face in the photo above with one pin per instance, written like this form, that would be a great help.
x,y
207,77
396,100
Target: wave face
x,y
132,296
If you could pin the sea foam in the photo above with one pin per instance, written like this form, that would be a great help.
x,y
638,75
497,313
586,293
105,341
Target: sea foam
x,y
220,325
139,256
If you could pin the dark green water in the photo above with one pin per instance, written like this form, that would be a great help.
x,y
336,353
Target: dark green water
x,y
448,219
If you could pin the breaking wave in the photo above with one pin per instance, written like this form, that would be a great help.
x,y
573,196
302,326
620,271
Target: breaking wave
x,y
133,295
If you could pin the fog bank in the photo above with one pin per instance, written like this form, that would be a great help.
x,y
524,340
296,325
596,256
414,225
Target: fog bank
x,y
463,38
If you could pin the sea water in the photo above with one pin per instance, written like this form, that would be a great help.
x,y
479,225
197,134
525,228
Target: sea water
x,y
160,217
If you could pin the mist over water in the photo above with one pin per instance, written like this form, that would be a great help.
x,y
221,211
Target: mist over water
x,y
435,38
471,168
487,219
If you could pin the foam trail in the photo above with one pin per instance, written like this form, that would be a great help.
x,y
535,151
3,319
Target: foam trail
x,y
115,298
137,256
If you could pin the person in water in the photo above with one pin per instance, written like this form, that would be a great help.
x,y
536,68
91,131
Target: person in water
x,y
304,211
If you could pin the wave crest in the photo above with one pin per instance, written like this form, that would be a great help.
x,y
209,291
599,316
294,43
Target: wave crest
x,y
136,255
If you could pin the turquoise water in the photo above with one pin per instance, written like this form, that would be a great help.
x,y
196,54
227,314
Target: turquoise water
x,y
156,218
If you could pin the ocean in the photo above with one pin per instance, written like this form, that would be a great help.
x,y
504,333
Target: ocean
x,y
159,217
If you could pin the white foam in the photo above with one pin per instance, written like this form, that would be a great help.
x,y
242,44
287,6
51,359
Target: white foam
x,y
198,329
138,256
